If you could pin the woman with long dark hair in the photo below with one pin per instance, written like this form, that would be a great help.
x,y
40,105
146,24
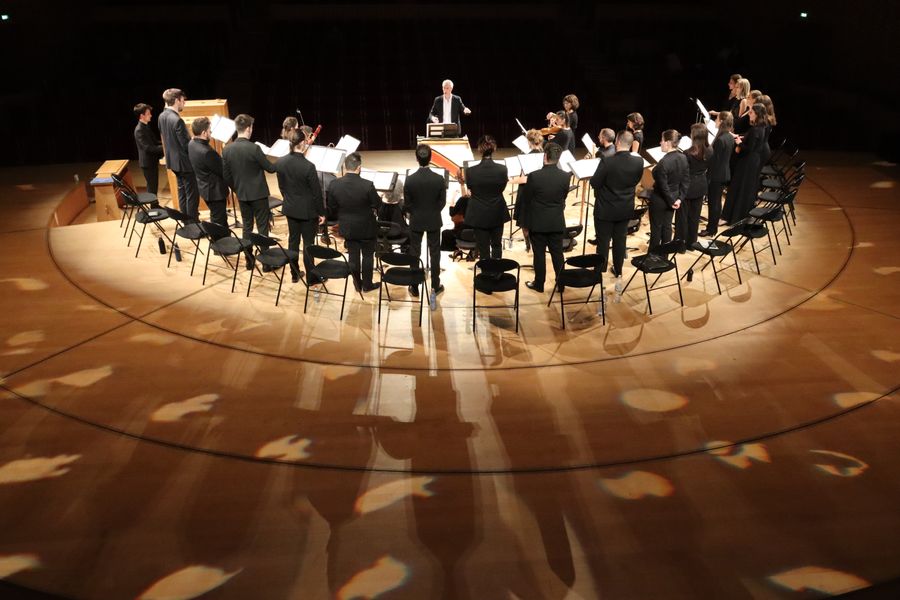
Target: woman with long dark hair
x,y
634,123
687,219
751,148
719,171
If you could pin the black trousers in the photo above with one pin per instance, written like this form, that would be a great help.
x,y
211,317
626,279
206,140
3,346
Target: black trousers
x,y
434,252
617,231
218,212
489,242
188,195
151,174
687,220
715,207
254,210
297,228
660,223
361,258
540,242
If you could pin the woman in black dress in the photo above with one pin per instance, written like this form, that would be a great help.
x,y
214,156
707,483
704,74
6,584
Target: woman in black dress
x,y
487,211
719,171
687,219
733,103
750,150
634,123
570,107
670,185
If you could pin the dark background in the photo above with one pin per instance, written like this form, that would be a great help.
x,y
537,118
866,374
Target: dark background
x,y
71,75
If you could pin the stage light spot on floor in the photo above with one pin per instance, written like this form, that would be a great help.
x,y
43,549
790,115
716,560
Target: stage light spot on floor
x,y
172,412
849,399
26,338
156,339
638,484
34,469
389,493
886,355
385,574
887,270
10,564
740,456
26,284
882,185
86,377
687,366
187,583
335,372
210,327
652,400
864,245
851,467
819,579
291,447
18,352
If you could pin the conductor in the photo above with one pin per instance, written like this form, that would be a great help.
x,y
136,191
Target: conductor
x,y
448,107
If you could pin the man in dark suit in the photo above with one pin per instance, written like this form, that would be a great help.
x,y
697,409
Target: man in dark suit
x,y
607,147
208,168
448,107
424,196
543,197
149,146
354,201
244,168
175,140
613,183
303,204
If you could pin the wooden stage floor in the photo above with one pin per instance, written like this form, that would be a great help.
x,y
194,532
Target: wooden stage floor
x,y
164,439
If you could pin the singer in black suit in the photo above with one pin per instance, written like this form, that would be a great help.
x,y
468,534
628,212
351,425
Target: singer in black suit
x,y
671,177
544,199
303,205
487,211
448,107
425,196
245,168
353,200
719,171
613,183
175,140
208,167
149,146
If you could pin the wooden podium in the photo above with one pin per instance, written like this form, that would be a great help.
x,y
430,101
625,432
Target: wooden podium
x,y
106,202
192,110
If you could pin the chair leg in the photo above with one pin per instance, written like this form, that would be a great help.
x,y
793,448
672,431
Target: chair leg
x,y
678,281
206,263
280,283
602,302
625,289
647,291
552,293
237,263
379,299
421,300
306,300
140,240
474,308
771,247
716,275
249,281
562,309
755,259
194,262
517,306
343,300
171,252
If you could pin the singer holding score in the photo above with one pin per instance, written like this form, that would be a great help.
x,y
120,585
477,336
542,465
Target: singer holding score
x,y
448,107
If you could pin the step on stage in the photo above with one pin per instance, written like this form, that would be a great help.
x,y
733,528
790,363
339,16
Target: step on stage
x,y
162,438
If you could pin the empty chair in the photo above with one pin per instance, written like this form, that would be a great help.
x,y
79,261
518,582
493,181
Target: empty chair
x,y
570,238
659,264
270,254
224,242
716,248
401,270
466,247
143,198
144,215
185,227
773,214
495,275
579,272
390,236
747,230
328,264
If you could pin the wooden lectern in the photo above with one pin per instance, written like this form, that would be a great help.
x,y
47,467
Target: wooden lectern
x,y
107,203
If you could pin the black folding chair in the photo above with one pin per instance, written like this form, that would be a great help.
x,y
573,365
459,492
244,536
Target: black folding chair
x,y
746,231
658,264
401,270
144,215
269,253
716,248
579,272
331,265
224,242
390,236
466,247
185,227
495,276
145,198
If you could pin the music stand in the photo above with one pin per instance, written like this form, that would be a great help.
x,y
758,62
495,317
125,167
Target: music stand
x,y
582,171
441,130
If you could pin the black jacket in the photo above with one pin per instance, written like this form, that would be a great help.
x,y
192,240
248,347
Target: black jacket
x,y
353,201
175,140
149,147
244,163
208,166
613,183
487,207
671,177
697,168
719,170
300,187
564,138
543,200
456,108
424,199
608,152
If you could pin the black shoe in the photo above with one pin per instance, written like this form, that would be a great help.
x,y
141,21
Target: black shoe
x,y
592,241
414,291
439,289
295,276
537,287
707,233
369,288
248,264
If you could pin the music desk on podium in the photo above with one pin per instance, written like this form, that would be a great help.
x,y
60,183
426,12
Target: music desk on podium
x,y
449,153
106,202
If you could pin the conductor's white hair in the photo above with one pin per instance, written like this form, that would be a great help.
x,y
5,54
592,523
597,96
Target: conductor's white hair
x,y
445,82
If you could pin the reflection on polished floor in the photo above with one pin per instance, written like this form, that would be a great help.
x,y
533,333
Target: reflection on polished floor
x,y
164,439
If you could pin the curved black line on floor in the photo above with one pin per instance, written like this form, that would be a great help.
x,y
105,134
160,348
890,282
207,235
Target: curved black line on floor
x,y
508,471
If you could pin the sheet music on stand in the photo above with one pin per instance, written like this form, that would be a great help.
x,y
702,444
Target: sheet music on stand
x,y
522,144
531,162
384,180
702,109
348,144
585,168
325,159
712,129
276,150
684,143
513,167
647,163
441,130
655,153
222,128
589,144
566,159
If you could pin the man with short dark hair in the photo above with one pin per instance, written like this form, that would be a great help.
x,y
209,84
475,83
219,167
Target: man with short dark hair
x,y
149,146
175,141
353,200
607,139
543,199
244,167
208,167
613,184
424,197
